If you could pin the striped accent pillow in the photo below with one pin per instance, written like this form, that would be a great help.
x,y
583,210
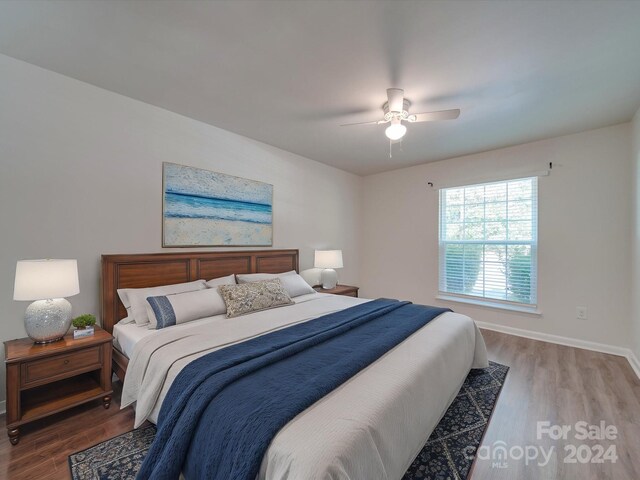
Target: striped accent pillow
x,y
167,310
163,311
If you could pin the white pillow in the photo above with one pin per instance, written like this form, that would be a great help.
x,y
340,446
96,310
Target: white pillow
x,y
216,282
293,283
125,320
313,276
135,299
258,277
168,310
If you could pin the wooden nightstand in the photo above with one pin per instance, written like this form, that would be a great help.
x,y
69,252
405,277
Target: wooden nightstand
x,y
47,379
346,290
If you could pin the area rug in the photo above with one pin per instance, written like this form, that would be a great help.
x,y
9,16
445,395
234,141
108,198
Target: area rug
x,y
446,455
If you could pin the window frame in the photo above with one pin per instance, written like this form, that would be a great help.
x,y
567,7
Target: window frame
x,y
482,300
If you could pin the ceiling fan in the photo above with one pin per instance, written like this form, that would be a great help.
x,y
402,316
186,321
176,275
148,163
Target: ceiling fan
x,y
396,110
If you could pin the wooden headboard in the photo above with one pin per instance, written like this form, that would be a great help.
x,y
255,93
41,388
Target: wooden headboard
x,y
154,269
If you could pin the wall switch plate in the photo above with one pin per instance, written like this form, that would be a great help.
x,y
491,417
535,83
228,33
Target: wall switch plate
x,y
581,313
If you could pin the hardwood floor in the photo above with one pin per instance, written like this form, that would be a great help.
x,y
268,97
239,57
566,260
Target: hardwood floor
x,y
546,382
561,385
46,444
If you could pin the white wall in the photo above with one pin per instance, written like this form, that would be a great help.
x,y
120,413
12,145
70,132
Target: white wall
x,y
584,231
82,176
635,292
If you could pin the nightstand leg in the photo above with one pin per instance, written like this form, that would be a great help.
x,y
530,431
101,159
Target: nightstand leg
x,y
14,435
106,401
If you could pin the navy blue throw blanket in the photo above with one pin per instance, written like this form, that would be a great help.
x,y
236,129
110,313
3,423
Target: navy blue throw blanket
x,y
223,409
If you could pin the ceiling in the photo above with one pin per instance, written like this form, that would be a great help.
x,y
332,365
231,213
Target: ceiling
x,y
289,73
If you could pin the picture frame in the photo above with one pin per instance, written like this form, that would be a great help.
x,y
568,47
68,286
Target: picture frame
x,y
203,208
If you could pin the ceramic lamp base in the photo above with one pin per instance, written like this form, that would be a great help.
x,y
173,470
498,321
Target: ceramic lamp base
x,y
48,320
329,278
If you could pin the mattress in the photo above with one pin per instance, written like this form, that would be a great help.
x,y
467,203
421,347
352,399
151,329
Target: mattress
x,y
370,427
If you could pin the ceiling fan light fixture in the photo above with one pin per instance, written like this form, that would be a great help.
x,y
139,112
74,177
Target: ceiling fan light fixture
x,y
396,110
396,130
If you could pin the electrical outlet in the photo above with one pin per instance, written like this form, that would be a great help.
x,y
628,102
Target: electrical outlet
x,y
581,313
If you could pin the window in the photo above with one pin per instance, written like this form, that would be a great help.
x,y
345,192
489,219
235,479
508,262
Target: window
x,y
488,242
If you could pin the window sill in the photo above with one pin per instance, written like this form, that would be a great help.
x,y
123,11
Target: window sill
x,y
490,304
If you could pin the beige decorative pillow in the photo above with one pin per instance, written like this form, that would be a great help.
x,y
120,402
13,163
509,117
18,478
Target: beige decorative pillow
x,y
253,297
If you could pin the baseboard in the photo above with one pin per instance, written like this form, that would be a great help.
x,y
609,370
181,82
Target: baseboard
x,y
3,407
634,362
567,341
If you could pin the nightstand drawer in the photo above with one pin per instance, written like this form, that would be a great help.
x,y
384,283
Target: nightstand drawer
x,y
60,366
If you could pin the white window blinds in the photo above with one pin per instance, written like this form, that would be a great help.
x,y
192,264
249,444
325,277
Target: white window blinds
x,y
488,241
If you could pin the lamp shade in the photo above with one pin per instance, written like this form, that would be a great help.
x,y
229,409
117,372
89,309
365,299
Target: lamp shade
x,y
44,279
328,259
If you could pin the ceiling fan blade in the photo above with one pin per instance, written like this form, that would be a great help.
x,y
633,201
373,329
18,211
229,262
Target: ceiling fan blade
x,y
396,99
377,122
434,116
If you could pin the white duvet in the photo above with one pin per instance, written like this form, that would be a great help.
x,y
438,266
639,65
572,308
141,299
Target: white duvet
x,y
371,427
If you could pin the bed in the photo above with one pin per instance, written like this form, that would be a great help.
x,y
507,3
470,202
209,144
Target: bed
x,y
400,397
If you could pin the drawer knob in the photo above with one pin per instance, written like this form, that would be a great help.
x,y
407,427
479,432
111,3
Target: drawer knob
x,y
66,361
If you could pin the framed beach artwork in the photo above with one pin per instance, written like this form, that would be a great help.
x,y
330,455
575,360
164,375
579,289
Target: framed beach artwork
x,y
202,208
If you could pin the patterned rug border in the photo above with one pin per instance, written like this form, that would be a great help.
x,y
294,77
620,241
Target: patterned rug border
x,y
493,410
440,441
142,431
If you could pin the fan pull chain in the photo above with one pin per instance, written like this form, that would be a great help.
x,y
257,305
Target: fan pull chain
x,y
391,147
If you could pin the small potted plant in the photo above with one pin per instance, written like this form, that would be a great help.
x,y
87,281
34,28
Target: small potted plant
x,y
84,325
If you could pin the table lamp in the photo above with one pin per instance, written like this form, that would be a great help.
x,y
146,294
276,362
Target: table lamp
x,y
47,282
328,260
